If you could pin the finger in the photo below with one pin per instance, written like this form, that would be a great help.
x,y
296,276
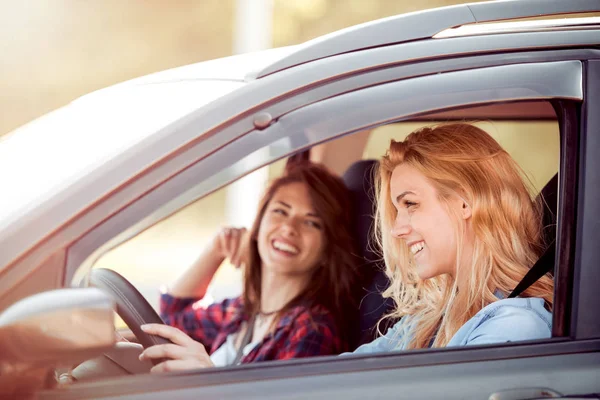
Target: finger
x,y
233,243
171,351
239,251
168,332
235,248
227,236
242,252
180,365
222,238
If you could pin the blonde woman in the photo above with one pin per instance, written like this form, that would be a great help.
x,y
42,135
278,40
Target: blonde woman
x,y
459,229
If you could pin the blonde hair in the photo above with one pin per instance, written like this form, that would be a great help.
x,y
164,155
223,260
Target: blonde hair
x,y
463,160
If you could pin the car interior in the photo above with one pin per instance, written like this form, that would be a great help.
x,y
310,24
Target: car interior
x,y
515,125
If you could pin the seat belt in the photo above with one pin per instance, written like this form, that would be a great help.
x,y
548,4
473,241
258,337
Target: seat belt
x,y
245,340
542,266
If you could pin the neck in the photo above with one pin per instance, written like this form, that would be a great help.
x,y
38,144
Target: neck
x,y
277,290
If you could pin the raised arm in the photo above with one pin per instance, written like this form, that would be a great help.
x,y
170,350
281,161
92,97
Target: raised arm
x,y
195,280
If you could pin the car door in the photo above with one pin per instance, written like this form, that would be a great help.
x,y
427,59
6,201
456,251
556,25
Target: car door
x,y
568,363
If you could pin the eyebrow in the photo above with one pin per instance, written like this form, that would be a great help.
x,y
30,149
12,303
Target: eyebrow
x,y
401,195
288,206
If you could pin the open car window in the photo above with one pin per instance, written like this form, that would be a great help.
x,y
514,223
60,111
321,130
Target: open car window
x,y
529,131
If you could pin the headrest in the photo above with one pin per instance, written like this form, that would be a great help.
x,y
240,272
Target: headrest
x,y
360,180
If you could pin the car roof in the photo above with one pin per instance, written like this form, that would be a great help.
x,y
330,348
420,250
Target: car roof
x,y
68,144
519,26
423,25
57,149
237,68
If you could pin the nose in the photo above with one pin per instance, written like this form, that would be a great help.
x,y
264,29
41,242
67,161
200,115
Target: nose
x,y
401,226
290,226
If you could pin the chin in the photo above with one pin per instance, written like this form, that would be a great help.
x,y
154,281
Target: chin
x,y
426,272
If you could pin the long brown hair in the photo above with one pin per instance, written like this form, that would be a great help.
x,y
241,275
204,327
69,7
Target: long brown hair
x,y
330,285
462,159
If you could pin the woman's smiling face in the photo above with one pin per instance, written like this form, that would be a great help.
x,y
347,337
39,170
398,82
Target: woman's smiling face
x,y
291,236
423,222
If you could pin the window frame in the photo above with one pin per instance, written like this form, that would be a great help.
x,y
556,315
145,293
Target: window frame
x,y
296,126
585,323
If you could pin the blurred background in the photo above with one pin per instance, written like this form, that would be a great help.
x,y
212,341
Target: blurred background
x,y
55,51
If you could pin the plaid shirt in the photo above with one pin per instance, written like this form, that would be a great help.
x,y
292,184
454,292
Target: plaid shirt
x,y
300,332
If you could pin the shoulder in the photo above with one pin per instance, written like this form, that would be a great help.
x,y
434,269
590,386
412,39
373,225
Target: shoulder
x,y
396,337
529,311
506,320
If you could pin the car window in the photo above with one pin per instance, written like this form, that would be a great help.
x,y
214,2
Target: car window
x,y
162,252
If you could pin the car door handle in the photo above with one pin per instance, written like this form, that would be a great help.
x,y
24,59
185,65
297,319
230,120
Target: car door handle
x,y
526,393
536,394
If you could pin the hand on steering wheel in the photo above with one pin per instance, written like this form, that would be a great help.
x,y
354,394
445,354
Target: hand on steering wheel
x,y
182,354
132,307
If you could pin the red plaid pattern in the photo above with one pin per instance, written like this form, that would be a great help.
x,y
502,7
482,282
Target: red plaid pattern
x,y
301,332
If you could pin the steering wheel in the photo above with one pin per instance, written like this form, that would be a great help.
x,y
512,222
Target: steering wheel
x,y
132,307
123,358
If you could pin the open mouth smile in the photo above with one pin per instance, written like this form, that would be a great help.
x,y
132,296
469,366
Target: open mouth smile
x,y
285,248
416,248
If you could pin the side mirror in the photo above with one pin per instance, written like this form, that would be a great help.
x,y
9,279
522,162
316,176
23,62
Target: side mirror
x,y
57,327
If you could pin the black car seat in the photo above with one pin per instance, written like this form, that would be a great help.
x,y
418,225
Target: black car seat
x,y
545,264
359,178
549,195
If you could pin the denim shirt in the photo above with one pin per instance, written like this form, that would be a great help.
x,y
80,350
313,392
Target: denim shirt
x,y
506,320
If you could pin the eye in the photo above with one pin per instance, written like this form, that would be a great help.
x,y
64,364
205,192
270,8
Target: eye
x,y
313,224
280,211
409,204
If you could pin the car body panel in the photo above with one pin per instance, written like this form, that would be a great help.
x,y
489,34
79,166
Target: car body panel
x,y
415,375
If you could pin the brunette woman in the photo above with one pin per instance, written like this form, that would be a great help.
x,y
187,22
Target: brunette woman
x,y
298,267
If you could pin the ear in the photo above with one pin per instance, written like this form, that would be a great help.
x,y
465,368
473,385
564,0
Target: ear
x,y
466,210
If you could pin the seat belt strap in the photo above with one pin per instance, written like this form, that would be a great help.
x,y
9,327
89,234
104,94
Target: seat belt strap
x,y
245,340
543,265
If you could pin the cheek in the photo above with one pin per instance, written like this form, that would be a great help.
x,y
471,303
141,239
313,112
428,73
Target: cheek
x,y
435,227
446,241
263,232
315,242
